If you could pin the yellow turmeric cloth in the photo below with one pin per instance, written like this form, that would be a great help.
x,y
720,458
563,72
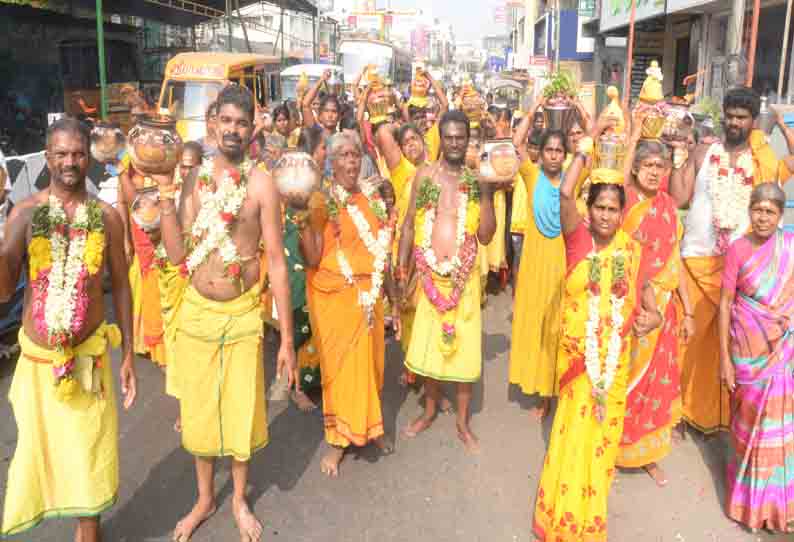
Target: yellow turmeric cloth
x,y
220,375
351,351
426,354
497,255
433,143
66,462
172,283
147,313
520,214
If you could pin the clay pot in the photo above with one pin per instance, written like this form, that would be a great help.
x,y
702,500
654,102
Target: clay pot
x,y
296,176
154,145
107,142
500,164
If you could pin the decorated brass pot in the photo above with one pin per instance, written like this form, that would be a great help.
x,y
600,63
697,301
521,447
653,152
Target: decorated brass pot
x,y
610,153
107,142
296,176
473,107
379,102
154,145
652,126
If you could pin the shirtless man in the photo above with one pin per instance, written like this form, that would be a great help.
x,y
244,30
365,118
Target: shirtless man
x,y
220,319
56,436
429,354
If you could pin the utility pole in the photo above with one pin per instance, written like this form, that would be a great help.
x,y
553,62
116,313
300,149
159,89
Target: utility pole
x,y
100,43
557,35
735,28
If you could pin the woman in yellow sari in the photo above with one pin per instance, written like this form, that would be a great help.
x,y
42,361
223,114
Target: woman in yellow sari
x,y
601,292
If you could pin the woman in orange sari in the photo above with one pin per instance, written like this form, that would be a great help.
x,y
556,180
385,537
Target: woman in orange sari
x,y
346,241
654,390
598,311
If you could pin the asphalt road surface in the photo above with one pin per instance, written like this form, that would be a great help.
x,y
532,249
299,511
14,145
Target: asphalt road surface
x,y
430,490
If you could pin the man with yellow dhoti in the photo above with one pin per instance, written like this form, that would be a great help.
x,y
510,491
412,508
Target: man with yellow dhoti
x,y
66,462
715,183
346,241
232,210
450,212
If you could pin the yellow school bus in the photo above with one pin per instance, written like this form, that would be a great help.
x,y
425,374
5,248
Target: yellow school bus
x,y
192,81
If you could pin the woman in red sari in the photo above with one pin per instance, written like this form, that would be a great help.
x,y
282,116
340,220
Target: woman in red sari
x,y
654,394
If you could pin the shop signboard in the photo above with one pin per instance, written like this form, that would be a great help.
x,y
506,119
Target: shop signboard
x,y
616,13
587,8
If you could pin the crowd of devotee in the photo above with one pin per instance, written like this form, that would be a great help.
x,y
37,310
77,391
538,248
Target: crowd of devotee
x,y
652,284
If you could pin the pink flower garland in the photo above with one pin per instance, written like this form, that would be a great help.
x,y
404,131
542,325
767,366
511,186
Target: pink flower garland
x,y
442,303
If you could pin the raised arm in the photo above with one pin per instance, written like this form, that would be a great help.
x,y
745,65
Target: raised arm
x,y
522,131
587,121
306,106
441,96
176,222
631,149
569,216
388,146
682,180
406,248
487,227
788,133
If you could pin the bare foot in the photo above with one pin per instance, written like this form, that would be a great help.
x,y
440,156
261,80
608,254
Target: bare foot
x,y
200,513
541,411
469,440
302,401
658,475
249,527
330,462
417,426
178,424
385,445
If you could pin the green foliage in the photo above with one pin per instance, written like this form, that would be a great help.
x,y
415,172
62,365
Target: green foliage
x,y
563,83
709,107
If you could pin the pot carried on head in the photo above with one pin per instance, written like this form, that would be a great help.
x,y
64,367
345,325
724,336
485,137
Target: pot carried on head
x,y
154,145
559,117
296,176
678,124
107,142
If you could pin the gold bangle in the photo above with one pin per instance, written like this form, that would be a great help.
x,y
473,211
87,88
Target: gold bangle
x,y
167,211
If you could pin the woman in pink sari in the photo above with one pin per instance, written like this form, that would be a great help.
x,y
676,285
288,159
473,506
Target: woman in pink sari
x,y
756,329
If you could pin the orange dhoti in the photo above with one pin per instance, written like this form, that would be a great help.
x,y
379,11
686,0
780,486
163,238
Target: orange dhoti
x,y
705,399
144,274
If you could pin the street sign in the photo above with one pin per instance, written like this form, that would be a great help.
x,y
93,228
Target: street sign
x,y
587,8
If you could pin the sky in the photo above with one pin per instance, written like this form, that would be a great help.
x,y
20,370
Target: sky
x,y
466,16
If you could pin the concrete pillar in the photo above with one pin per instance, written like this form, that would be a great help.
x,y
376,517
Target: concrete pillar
x,y
736,27
531,15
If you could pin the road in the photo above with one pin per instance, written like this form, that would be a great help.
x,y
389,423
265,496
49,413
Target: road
x,y
428,491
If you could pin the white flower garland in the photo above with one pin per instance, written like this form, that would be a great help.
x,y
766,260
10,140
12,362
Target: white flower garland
x,y
730,193
379,248
602,380
67,264
213,231
446,268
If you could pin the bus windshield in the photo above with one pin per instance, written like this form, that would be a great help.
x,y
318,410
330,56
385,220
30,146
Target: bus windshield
x,y
356,55
289,86
189,100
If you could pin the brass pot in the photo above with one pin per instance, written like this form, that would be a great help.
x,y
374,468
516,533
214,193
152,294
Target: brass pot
x,y
652,126
610,153
154,145
678,124
296,176
107,142
378,104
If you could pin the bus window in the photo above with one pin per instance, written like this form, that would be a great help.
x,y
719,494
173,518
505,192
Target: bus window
x,y
275,88
188,100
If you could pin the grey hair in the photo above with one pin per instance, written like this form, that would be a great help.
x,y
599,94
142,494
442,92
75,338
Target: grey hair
x,y
338,140
769,192
647,149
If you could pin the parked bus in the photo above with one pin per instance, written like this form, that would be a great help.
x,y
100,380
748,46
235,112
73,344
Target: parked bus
x,y
193,80
291,76
389,61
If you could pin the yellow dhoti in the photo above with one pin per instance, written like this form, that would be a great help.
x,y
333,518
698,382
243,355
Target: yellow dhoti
x,y
351,359
172,284
705,399
220,375
495,250
66,460
147,312
428,356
